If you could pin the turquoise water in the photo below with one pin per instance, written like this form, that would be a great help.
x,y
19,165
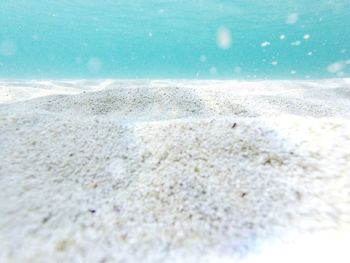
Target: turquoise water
x,y
220,39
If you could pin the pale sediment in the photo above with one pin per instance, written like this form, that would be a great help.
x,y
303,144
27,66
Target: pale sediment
x,y
173,171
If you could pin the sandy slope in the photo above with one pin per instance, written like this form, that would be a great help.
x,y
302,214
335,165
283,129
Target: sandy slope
x,y
174,171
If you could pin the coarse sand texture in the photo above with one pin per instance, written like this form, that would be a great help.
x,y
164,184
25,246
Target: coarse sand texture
x,y
174,171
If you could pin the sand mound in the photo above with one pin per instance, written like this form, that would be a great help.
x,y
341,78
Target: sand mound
x,y
168,171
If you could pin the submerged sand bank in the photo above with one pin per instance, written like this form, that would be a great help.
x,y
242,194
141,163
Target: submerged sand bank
x,y
174,171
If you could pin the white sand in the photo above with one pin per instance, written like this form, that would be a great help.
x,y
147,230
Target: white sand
x,y
154,171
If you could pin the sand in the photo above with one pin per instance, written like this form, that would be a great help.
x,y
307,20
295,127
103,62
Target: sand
x,y
174,171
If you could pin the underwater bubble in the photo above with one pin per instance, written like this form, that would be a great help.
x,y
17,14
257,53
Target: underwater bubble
x,y
274,63
237,70
336,67
8,48
35,37
306,36
223,38
265,44
293,72
296,43
309,53
292,18
213,71
282,37
94,65
150,34
202,58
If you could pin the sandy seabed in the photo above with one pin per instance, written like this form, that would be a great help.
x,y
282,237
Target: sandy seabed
x,y
175,171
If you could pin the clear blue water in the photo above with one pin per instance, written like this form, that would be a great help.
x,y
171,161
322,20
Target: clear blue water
x,y
221,39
